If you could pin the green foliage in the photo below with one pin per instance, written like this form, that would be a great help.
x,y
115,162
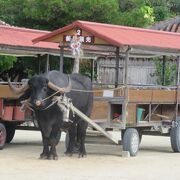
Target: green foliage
x,y
170,72
85,67
139,17
45,14
63,12
6,62
53,14
164,9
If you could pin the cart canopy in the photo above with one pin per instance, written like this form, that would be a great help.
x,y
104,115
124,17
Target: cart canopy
x,y
17,41
140,40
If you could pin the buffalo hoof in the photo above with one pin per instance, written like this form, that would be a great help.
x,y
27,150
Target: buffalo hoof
x,y
82,155
43,156
53,157
68,154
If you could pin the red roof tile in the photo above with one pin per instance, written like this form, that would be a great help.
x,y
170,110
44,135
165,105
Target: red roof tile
x,y
15,36
123,35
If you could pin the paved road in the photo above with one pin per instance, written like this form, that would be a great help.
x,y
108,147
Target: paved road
x,y
155,161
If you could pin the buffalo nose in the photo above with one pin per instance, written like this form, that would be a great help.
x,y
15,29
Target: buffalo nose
x,y
38,103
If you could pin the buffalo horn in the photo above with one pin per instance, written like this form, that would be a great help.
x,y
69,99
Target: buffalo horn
x,y
17,91
57,88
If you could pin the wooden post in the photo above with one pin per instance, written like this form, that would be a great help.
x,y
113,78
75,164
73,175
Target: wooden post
x,y
126,68
117,67
92,70
177,85
150,111
61,60
163,70
126,87
163,78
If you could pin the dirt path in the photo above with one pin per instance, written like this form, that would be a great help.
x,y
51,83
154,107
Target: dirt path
x,y
155,161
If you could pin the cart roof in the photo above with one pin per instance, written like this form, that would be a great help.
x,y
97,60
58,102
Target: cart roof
x,y
141,40
17,41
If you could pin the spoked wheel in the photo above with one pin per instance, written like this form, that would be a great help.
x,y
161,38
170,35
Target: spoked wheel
x,y
2,135
131,141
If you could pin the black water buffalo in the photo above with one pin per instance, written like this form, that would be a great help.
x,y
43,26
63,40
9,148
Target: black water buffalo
x,y
50,117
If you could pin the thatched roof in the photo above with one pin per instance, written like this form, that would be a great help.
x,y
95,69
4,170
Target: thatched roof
x,y
171,25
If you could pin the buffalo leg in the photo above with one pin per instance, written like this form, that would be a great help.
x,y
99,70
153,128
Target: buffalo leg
x,y
54,139
81,135
72,136
53,153
45,153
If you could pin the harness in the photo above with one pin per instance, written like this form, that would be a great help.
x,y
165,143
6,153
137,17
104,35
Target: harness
x,y
62,101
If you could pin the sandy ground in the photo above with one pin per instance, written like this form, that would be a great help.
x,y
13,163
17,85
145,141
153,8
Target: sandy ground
x,y
155,161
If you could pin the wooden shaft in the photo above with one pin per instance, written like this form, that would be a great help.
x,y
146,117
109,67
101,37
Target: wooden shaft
x,y
96,126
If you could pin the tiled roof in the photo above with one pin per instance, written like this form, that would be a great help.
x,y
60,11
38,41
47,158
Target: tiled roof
x,y
170,25
15,36
122,35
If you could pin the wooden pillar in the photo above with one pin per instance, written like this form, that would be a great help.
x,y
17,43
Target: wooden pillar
x,y
126,68
117,67
163,79
92,70
124,118
177,84
163,70
61,60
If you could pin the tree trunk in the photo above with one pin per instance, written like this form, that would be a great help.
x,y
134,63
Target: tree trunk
x,y
76,65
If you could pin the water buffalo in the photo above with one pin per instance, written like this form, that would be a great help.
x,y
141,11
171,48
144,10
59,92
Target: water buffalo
x,y
50,117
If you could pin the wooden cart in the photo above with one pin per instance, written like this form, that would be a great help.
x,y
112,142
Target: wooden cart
x,y
135,110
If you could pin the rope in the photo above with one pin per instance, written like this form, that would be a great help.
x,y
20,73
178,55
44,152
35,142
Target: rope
x,y
85,91
100,90
27,104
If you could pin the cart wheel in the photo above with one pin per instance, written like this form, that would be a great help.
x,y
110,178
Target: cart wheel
x,y
139,132
2,135
131,141
10,131
175,138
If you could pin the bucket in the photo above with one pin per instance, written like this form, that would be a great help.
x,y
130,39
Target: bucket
x,y
139,113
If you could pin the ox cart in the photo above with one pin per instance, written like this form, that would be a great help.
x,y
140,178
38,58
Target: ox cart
x,y
135,110
149,110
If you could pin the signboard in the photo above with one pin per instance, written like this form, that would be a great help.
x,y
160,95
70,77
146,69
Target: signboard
x,y
83,39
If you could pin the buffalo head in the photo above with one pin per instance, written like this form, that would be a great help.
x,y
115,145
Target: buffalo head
x,y
40,88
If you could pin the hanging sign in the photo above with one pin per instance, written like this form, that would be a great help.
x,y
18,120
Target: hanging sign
x,y
75,45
